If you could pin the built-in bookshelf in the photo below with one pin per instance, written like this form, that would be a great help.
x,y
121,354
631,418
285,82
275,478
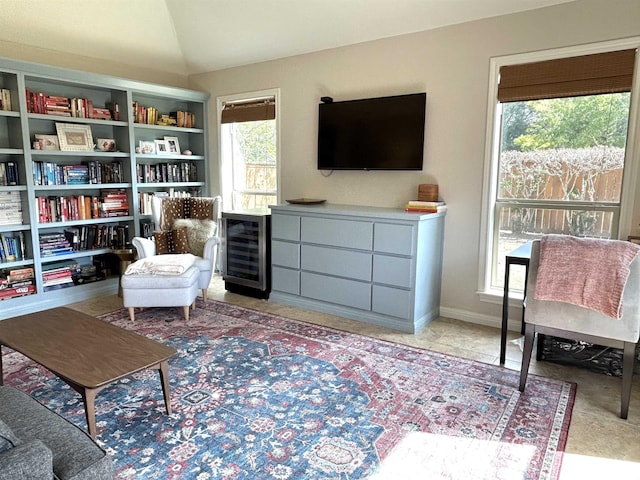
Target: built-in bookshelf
x,y
81,155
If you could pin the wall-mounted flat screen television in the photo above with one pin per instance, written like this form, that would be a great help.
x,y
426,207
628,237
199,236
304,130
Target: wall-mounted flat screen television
x,y
385,133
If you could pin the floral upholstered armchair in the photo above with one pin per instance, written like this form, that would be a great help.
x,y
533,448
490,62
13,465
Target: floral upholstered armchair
x,y
186,225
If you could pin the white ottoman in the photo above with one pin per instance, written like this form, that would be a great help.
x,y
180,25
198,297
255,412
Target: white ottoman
x,y
147,290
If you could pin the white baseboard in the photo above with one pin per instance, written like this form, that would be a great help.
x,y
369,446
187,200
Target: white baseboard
x,y
478,318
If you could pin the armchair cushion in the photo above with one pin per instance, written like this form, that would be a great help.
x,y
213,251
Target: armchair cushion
x,y
198,232
171,241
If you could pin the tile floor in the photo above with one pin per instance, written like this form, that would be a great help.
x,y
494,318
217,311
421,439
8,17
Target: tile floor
x,y
599,444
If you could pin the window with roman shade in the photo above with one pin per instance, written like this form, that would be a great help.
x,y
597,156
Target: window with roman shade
x,y
249,110
561,149
248,135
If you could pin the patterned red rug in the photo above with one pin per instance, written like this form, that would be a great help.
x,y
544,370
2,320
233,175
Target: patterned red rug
x,y
259,396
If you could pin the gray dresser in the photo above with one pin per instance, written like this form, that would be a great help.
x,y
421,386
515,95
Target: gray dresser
x,y
377,265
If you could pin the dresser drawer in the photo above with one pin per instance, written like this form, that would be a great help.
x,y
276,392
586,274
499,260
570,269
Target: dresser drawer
x,y
397,271
338,233
391,301
285,227
285,280
340,291
343,263
285,254
392,238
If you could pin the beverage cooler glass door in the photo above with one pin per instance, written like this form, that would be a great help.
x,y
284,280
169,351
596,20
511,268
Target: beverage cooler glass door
x,y
245,251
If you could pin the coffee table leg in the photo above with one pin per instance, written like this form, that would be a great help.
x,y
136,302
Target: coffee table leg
x,y
90,410
164,379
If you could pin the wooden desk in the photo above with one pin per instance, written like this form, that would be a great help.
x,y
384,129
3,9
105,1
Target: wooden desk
x,y
86,353
519,256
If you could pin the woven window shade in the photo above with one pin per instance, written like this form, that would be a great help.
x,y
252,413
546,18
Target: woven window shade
x,y
249,111
610,72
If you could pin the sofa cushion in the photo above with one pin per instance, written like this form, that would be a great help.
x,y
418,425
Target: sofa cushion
x,y
75,454
198,232
7,438
30,460
172,241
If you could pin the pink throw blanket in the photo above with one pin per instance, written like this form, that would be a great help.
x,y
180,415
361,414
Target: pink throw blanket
x,y
587,272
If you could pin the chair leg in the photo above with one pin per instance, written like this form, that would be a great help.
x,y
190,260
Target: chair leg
x,y
529,335
627,374
132,314
204,294
185,310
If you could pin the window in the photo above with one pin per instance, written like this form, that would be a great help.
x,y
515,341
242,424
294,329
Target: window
x,y
559,144
249,151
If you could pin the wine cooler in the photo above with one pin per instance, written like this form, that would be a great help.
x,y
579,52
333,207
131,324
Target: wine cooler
x,y
246,253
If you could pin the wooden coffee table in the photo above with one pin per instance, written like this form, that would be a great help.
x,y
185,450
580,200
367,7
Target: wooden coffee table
x,y
87,353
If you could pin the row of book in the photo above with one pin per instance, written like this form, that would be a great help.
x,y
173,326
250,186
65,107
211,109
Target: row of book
x,y
145,199
89,172
9,174
167,172
81,238
5,99
10,208
38,102
59,274
50,173
54,243
417,206
88,237
16,282
12,246
19,282
150,116
82,207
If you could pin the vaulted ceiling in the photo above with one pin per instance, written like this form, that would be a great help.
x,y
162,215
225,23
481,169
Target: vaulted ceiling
x,y
194,36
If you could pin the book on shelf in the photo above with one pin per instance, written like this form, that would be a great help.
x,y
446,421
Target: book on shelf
x,y
5,99
10,208
12,246
16,274
150,116
59,274
13,292
42,103
9,174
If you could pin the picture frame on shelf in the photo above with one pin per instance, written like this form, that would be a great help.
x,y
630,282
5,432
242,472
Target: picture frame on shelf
x,y
147,147
106,144
74,138
48,142
162,147
173,145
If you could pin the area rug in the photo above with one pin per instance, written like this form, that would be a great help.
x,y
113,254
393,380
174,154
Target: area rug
x,y
260,396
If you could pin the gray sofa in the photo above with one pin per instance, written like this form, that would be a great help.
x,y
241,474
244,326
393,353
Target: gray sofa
x,y
37,443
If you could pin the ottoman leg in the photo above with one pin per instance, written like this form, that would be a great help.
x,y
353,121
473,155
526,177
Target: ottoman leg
x,y
132,314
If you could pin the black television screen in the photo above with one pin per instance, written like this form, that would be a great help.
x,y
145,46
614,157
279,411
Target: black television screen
x,y
385,133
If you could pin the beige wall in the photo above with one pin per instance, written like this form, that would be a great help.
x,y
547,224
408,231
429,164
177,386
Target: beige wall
x,y
26,53
452,65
